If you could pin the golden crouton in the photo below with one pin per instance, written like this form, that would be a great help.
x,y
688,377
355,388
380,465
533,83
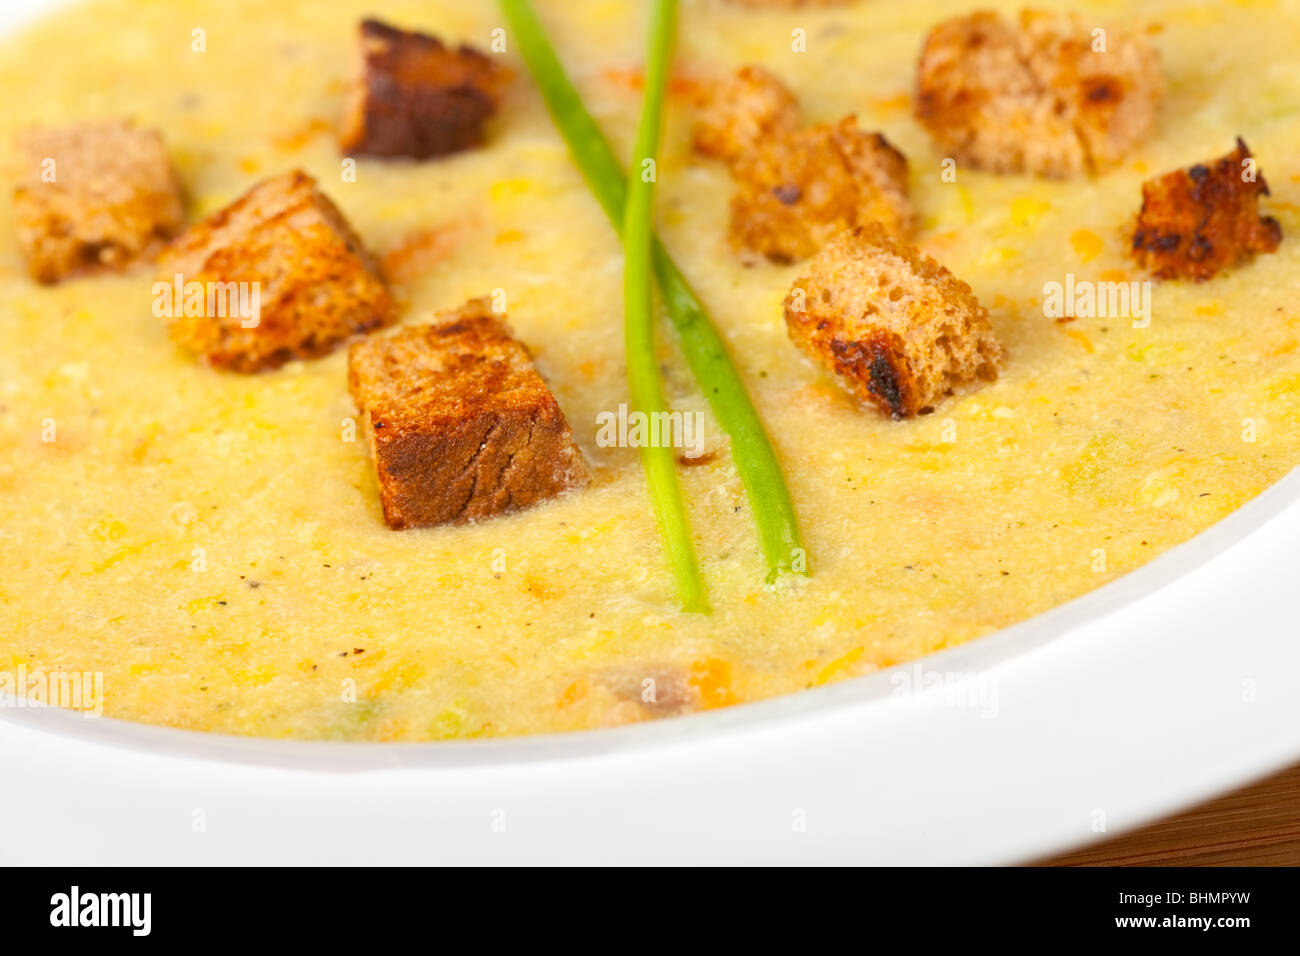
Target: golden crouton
x,y
897,328
416,97
460,424
314,283
797,192
94,197
745,111
1198,221
1056,95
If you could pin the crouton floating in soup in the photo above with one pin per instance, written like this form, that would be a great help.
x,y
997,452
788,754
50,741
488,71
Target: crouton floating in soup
x,y
794,193
92,198
460,425
1051,94
898,329
284,249
743,112
1197,222
415,96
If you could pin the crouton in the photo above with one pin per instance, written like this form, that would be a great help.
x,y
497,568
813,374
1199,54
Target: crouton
x,y
460,425
746,110
795,193
897,328
1199,221
315,284
95,197
416,97
1053,95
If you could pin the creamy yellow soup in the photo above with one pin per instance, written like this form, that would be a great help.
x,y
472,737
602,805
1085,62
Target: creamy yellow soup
x,y
212,543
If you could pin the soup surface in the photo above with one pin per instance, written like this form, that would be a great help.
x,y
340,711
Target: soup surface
x,y
212,543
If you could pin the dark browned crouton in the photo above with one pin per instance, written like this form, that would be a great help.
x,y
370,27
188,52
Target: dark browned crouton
x,y
315,284
746,110
460,424
1199,221
94,197
1040,97
796,192
417,97
896,327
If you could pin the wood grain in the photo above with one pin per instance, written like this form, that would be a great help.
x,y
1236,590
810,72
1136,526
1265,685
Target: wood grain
x,y
1256,826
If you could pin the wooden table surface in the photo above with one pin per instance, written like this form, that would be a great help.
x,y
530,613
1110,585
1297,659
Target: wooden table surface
x,y
1256,826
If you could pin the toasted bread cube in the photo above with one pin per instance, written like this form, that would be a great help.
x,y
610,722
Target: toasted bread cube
x,y
898,329
416,97
1040,96
1196,222
797,192
315,284
95,197
460,424
743,112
